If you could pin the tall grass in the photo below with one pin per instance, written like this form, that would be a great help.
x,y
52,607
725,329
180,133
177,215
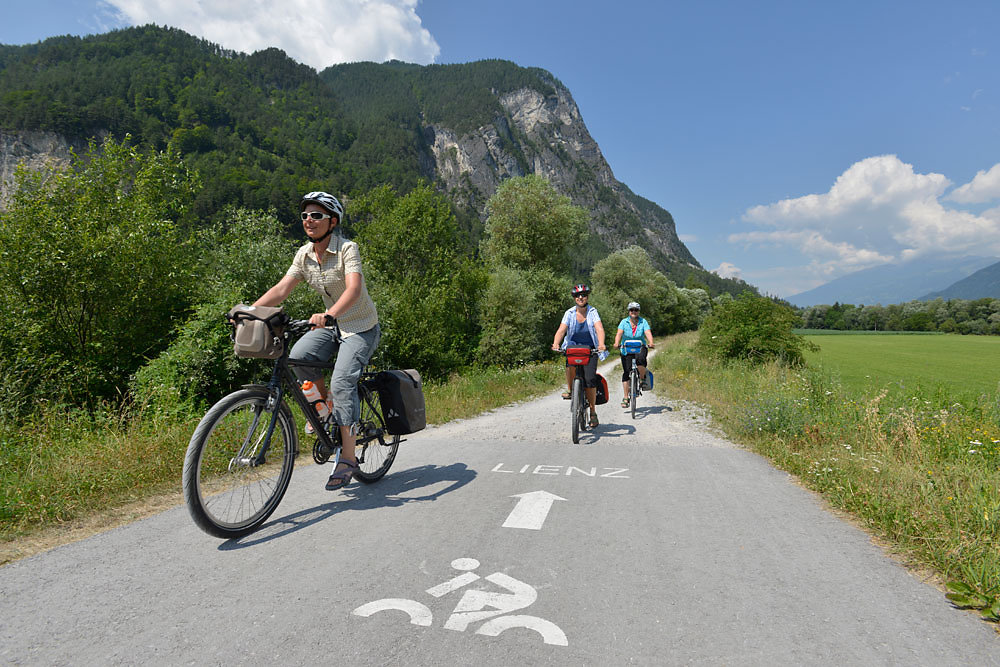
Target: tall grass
x,y
919,470
63,464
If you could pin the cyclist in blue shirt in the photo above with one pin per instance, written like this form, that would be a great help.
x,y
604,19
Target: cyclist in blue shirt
x,y
633,327
584,328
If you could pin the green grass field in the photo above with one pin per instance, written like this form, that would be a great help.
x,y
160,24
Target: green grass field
x,y
902,432
962,366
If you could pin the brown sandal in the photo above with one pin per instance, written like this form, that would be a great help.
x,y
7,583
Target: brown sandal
x,y
343,478
593,421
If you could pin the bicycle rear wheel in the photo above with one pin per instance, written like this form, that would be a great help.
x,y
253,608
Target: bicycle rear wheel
x,y
376,447
576,409
235,471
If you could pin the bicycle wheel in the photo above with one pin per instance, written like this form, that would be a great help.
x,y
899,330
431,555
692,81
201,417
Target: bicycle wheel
x,y
576,409
376,447
234,473
634,389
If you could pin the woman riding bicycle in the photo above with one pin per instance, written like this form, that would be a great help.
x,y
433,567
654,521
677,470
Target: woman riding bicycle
x,y
585,330
633,327
331,265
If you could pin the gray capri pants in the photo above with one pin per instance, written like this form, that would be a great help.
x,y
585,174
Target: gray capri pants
x,y
354,353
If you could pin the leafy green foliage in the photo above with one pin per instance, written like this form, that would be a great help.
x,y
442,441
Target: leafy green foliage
x,y
987,601
629,275
977,316
94,270
520,313
237,263
529,238
425,287
530,225
755,329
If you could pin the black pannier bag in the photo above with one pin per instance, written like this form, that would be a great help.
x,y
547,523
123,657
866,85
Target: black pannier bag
x,y
257,331
401,394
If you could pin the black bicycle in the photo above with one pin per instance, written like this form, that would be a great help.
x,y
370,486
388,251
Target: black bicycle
x,y
578,357
240,458
633,347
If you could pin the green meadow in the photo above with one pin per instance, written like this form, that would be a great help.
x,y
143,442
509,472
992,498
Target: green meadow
x,y
901,432
963,367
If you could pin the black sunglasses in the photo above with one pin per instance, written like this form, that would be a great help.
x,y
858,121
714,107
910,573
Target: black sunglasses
x,y
315,215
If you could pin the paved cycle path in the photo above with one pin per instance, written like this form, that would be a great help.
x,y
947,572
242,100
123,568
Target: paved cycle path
x,y
495,540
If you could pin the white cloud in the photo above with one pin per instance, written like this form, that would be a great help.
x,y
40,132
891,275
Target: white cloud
x,y
983,188
318,33
687,238
728,270
878,211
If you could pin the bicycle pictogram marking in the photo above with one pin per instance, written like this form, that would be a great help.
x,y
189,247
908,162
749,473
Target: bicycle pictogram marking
x,y
476,605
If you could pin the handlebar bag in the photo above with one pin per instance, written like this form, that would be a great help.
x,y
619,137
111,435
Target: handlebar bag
x,y
401,395
257,331
578,356
632,346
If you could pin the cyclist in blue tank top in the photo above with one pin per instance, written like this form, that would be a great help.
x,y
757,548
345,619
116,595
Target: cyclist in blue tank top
x,y
633,327
584,327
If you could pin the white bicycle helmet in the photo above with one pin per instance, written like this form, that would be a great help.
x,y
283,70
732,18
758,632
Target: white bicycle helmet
x,y
325,200
633,305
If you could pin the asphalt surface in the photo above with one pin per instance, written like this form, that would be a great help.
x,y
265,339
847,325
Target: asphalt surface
x,y
654,541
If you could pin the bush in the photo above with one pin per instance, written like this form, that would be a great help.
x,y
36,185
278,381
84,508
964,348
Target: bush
x,y
94,270
521,310
240,261
755,329
425,287
629,275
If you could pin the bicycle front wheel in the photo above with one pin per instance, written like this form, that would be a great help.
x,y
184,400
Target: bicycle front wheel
x,y
635,390
237,468
576,407
376,447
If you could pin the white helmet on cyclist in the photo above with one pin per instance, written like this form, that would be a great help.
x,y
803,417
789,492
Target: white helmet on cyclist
x,y
633,305
326,201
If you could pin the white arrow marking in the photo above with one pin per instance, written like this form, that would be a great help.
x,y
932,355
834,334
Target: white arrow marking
x,y
531,510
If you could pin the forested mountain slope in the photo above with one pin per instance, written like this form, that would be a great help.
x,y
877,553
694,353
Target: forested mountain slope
x,y
261,129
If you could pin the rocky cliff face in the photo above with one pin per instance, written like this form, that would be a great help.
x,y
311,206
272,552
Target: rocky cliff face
x,y
545,135
32,149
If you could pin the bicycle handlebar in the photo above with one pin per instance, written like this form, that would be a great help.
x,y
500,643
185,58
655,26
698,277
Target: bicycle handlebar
x,y
302,326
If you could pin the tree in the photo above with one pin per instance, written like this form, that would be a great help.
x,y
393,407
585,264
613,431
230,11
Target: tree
x,y
425,287
531,225
94,269
238,261
628,275
754,329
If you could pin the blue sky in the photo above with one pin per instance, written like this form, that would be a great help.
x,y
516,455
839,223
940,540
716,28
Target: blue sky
x,y
793,142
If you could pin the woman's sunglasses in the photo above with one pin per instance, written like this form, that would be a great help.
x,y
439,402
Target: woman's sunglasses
x,y
315,215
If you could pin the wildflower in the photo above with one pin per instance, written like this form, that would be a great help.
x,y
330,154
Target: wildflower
x,y
972,451
974,442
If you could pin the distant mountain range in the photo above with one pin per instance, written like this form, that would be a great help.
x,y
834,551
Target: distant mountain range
x,y
968,277
981,284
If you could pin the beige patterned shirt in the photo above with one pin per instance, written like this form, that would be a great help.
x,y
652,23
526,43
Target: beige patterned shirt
x,y
330,281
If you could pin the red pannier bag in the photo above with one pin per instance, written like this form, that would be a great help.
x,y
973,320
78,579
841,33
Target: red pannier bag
x,y
602,390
